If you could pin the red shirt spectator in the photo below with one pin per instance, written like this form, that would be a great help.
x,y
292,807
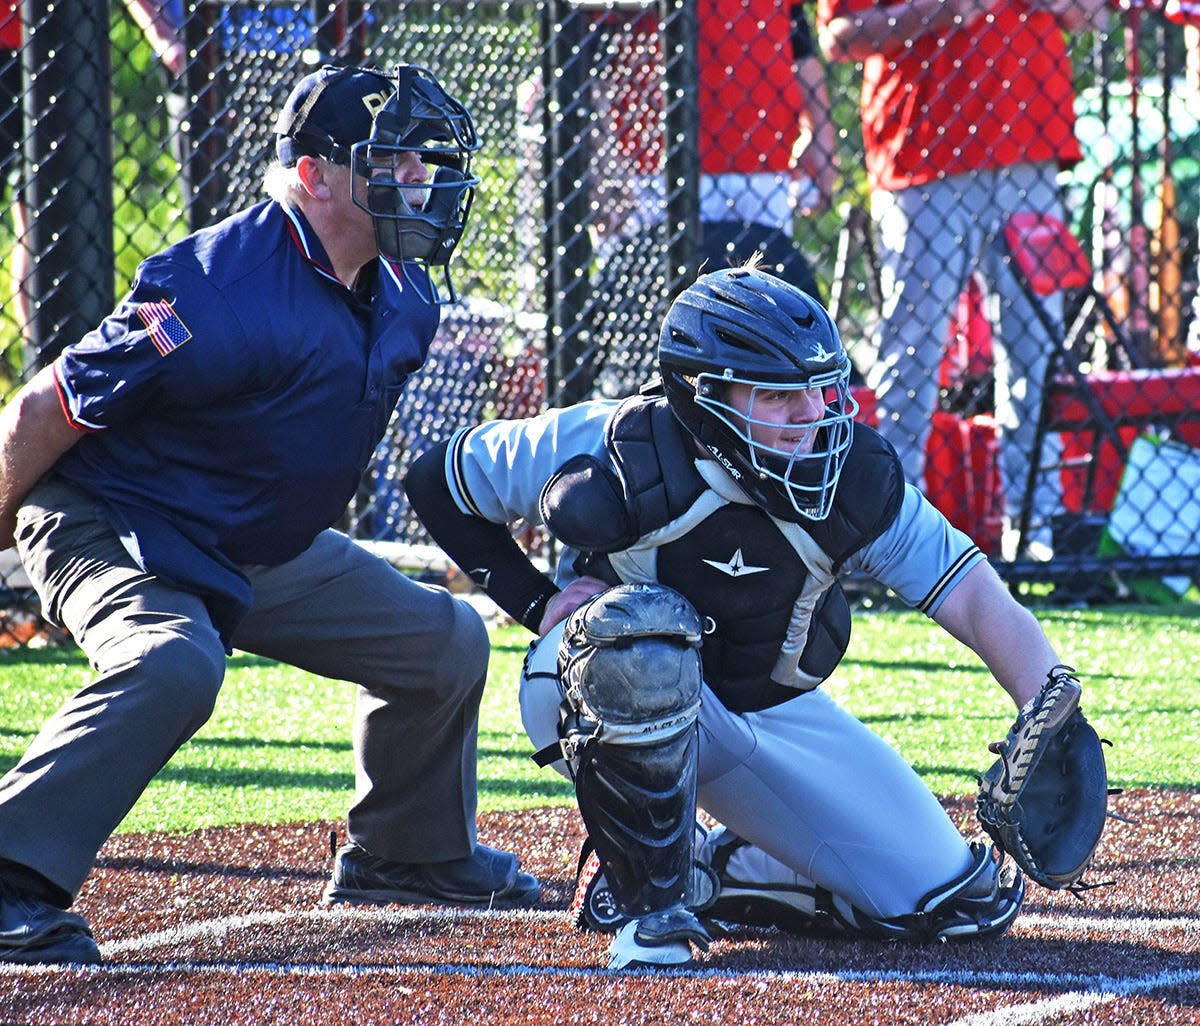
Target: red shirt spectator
x,y
10,25
991,93
750,100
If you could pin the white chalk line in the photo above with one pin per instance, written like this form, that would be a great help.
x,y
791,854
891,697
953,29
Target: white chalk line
x,y
1140,928
1086,991
1077,1000
1083,990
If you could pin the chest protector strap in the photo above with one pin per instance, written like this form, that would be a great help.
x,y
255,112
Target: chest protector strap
x,y
649,479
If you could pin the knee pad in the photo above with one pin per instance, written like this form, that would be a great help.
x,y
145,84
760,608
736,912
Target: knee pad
x,y
629,666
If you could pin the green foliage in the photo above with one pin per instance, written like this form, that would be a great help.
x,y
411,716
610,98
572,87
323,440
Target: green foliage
x,y
277,748
146,199
931,698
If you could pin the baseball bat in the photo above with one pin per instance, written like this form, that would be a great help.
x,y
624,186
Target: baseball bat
x,y
1172,350
1169,265
1139,237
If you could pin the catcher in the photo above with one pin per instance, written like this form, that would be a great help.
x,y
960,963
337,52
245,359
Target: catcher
x,y
696,609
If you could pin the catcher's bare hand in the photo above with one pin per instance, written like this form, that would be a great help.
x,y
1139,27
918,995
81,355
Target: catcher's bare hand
x,y
569,599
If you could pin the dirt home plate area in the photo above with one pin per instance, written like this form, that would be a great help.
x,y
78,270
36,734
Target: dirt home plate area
x,y
223,927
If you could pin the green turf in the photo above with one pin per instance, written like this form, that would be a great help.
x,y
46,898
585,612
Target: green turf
x,y
277,748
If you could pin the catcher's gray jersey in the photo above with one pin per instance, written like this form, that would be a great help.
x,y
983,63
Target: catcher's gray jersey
x,y
498,471
821,797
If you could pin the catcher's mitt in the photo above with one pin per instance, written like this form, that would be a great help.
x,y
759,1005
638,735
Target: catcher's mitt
x,y
1045,799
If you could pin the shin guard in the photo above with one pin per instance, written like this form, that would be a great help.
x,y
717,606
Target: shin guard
x,y
630,670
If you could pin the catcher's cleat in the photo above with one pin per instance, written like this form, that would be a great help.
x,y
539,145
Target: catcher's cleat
x,y
594,906
752,892
982,902
32,931
985,904
662,940
486,877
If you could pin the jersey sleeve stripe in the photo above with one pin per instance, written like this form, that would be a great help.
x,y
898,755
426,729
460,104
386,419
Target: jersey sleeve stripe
x,y
458,477
956,569
71,404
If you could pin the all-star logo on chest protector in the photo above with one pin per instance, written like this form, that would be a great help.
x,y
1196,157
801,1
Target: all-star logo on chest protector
x,y
736,566
633,517
748,595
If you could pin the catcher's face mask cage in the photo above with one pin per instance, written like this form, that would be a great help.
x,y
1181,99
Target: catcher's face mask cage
x,y
418,221
743,326
803,458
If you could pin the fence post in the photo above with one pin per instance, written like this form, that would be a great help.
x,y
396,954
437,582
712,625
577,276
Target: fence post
x,y
568,175
69,170
680,120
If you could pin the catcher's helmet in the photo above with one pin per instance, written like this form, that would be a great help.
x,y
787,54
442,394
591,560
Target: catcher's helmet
x,y
744,326
418,221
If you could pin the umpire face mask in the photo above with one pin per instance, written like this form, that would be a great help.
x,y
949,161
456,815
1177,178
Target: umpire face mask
x,y
418,218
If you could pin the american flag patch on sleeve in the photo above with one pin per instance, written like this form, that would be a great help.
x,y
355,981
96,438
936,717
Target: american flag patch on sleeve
x,y
167,331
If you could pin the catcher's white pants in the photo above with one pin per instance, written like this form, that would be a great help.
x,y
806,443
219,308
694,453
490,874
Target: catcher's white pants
x,y
827,800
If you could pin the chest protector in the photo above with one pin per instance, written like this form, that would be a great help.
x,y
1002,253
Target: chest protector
x,y
776,618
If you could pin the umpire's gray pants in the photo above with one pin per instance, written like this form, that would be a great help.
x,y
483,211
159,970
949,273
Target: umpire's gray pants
x,y
418,655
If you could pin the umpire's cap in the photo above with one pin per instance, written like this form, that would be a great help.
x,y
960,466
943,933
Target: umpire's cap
x,y
329,111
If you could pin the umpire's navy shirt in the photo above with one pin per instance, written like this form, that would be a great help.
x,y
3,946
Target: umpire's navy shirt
x,y
233,399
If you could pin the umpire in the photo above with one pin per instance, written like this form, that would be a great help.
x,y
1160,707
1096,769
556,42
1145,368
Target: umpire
x,y
170,482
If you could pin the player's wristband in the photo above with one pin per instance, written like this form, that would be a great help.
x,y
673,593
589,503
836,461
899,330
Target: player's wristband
x,y
536,610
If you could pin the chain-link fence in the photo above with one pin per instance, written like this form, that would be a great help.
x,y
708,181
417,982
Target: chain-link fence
x,y
627,145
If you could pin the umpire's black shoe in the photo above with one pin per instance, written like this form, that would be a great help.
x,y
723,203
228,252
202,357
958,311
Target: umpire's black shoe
x,y
486,877
34,931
